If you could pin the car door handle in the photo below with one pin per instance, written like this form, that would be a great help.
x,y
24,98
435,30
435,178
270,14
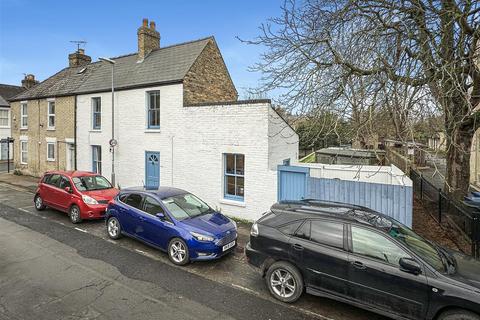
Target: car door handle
x,y
297,247
359,265
141,218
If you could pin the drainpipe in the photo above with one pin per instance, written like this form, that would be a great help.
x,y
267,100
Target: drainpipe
x,y
39,142
172,160
75,132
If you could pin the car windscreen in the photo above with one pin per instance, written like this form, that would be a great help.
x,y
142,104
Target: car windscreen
x,y
186,206
91,183
417,244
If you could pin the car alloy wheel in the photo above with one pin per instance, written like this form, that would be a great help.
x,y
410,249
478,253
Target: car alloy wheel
x,y
282,283
178,252
75,214
39,203
113,228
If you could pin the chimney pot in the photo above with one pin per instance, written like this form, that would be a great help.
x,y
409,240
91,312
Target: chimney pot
x,y
152,25
145,22
81,51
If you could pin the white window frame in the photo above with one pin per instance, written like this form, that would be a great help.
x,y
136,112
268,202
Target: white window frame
x,y
22,152
51,115
148,110
99,99
23,115
97,162
8,117
54,151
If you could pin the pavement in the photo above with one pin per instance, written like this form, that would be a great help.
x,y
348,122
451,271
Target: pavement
x,y
52,269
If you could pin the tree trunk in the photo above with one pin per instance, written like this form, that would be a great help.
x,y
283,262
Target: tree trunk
x,y
458,163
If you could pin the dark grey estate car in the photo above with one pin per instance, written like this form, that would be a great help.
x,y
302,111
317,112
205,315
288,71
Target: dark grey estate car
x,y
359,256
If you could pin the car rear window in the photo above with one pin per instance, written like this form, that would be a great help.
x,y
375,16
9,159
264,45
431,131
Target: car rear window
x,y
323,232
134,200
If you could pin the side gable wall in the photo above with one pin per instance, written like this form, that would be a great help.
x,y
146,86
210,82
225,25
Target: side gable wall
x,y
208,79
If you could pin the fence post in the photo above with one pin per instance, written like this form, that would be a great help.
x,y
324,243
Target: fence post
x,y
421,187
439,205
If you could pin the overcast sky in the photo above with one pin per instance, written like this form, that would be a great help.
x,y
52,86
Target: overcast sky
x,y
35,35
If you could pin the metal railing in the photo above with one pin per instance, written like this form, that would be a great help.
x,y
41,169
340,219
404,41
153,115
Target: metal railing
x,y
462,222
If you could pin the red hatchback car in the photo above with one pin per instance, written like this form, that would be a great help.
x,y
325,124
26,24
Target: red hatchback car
x,y
83,195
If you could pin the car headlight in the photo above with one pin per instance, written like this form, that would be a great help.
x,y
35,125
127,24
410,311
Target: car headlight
x,y
254,230
234,223
89,200
201,237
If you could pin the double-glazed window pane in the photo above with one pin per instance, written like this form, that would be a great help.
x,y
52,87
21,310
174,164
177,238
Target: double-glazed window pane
x,y
97,159
96,113
24,115
374,245
51,114
4,118
23,151
50,151
153,109
234,175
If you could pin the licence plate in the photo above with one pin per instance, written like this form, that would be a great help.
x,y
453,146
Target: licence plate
x,y
228,246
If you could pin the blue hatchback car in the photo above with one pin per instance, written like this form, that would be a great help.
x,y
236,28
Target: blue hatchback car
x,y
172,220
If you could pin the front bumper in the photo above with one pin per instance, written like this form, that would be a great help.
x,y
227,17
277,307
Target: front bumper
x,y
207,251
93,211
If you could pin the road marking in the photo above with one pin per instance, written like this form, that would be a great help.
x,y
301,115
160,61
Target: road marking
x,y
81,230
245,289
25,210
149,255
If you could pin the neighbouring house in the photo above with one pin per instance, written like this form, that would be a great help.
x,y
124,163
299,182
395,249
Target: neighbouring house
x,y
7,91
437,141
334,155
43,119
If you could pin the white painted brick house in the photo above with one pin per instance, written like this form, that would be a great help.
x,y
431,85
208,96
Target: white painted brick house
x,y
178,123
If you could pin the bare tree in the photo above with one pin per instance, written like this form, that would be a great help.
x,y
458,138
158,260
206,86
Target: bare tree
x,y
396,50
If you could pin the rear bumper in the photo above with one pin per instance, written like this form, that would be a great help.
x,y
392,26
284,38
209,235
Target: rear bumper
x,y
255,258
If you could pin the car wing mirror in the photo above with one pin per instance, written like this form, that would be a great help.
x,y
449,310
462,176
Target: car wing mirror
x,y
410,265
68,189
161,216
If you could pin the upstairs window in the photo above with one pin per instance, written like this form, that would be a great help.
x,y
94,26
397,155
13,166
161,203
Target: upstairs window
x,y
23,116
51,115
234,176
4,118
96,113
153,109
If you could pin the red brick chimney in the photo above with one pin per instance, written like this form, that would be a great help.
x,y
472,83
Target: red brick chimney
x,y
148,39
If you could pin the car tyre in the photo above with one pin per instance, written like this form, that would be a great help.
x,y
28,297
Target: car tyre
x,y
74,214
178,252
38,202
458,314
114,229
284,282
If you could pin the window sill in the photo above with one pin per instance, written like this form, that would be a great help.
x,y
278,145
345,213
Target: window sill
x,y
51,160
24,128
152,130
50,129
95,130
236,203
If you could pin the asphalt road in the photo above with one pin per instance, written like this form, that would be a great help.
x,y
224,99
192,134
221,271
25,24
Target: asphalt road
x,y
51,269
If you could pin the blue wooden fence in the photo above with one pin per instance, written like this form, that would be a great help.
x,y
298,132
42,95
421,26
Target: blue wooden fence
x,y
295,183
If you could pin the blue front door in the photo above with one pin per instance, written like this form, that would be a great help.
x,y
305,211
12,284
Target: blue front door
x,y
152,170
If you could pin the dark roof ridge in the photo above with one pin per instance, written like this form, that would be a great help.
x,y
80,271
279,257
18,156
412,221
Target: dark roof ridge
x,y
167,47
